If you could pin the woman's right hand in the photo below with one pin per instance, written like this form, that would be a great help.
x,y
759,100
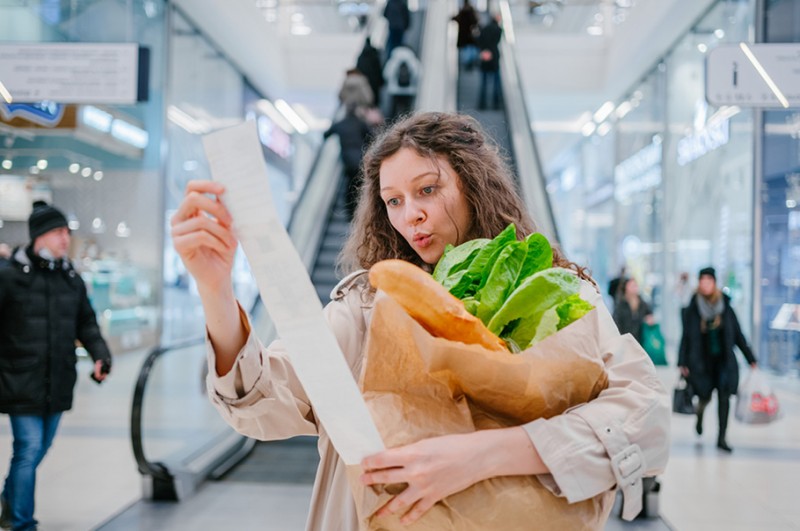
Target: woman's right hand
x,y
203,237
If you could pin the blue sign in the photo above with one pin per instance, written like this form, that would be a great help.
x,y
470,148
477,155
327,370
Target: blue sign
x,y
44,113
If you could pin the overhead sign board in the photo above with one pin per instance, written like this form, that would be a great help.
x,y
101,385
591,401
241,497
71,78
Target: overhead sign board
x,y
72,72
754,75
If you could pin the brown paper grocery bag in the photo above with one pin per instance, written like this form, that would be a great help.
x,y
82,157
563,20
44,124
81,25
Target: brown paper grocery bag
x,y
409,404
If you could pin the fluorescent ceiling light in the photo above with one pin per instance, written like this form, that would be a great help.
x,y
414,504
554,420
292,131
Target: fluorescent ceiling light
x,y
5,93
604,111
267,108
186,122
603,129
624,108
595,31
764,75
96,118
129,133
588,128
286,110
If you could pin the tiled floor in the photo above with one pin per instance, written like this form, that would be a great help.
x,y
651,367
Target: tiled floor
x,y
90,475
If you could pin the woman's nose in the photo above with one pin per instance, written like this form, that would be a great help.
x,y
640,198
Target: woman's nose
x,y
415,214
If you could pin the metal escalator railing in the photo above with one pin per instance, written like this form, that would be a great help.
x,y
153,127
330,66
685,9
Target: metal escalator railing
x,y
523,143
439,58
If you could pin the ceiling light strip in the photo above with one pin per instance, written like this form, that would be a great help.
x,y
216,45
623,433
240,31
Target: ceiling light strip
x,y
764,75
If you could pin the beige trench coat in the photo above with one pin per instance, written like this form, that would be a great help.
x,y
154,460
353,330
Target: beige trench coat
x,y
611,441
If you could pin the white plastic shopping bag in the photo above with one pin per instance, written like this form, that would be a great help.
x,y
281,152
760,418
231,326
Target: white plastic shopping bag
x,y
756,402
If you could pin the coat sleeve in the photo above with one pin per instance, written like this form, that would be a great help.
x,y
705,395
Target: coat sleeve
x,y
88,332
740,340
683,349
615,439
261,396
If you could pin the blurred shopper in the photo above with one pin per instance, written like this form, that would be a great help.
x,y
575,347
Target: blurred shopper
x,y
630,310
402,76
613,284
369,63
706,357
43,311
489,45
399,19
5,254
353,133
356,92
468,30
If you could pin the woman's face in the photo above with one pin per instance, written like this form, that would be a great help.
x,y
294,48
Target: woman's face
x,y
424,202
631,288
706,285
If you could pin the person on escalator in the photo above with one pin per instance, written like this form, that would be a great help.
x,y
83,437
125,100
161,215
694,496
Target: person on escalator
x,y
467,44
402,72
489,56
431,180
353,133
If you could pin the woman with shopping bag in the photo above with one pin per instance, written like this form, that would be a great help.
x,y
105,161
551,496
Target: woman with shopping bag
x,y
706,356
431,180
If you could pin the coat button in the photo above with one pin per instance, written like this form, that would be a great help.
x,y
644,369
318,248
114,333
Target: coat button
x,y
26,269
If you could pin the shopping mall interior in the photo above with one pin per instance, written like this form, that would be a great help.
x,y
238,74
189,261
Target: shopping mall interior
x,y
649,139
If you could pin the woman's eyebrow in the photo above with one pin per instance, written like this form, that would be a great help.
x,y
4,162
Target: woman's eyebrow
x,y
413,179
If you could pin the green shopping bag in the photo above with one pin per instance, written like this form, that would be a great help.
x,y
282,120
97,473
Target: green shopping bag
x,y
653,343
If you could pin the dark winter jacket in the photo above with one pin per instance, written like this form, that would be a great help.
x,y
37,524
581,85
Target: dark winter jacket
x,y
353,134
489,39
692,353
628,321
467,21
397,15
43,310
369,64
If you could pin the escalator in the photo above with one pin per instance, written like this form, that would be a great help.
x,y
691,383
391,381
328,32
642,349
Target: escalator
x,y
185,451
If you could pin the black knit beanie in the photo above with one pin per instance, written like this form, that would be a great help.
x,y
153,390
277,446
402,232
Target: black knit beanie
x,y
44,218
708,271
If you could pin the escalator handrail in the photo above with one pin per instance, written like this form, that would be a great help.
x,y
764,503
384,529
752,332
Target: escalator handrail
x,y
526,154
145,466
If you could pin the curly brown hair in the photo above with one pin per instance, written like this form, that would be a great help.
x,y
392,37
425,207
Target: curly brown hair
x,y
484,179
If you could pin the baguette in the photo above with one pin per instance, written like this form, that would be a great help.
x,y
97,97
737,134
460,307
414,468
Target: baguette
x,y
430,304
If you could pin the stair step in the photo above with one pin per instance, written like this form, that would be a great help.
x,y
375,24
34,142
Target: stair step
x,y
325,276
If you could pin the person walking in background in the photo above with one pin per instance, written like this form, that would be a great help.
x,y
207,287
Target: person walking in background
x,y
489,45
402,76
369,63
399,19
467,42
355,92
613,284
43,311
5,254
630,310
706,357
353,133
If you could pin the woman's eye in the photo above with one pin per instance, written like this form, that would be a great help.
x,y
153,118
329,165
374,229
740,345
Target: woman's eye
x,y
428,190
393,202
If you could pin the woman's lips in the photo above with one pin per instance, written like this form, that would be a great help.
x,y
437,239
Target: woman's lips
x,y
423,240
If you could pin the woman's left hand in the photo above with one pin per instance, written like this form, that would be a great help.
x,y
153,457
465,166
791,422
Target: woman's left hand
x,y
432,468
440,466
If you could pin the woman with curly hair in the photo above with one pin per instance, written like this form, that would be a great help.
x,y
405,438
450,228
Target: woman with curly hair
x,y
430,180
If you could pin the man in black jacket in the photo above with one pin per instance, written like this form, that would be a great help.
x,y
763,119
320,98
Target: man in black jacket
x,y
43,311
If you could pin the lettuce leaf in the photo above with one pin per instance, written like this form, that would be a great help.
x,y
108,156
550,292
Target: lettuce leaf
x,y
477,271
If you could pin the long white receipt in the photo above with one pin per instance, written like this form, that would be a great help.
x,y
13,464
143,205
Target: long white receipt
x,y
235,159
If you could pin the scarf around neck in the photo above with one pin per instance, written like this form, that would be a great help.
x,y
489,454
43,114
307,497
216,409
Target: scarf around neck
x,y
711,307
